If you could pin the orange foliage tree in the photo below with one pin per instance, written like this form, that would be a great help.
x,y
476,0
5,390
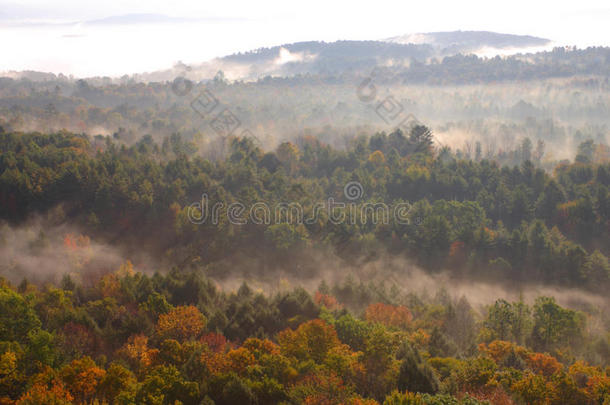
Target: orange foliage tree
x,y
54,393
82,377
499,349
261,347
181,323
137,352
215,341
543,364
328,301
395,316
235,360
322,388
594,381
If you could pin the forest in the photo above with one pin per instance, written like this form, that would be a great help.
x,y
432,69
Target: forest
x,y
112,293
559,98
320,203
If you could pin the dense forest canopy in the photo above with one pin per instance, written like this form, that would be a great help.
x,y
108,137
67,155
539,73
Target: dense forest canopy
x,y
463,214
123,336
340,230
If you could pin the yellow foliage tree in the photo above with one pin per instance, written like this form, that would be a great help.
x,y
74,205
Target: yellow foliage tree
x,y
377,158
181,323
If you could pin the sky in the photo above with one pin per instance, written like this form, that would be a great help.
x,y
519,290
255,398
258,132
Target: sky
x,y
83,39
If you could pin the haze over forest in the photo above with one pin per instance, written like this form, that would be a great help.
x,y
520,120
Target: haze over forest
x,y
407,218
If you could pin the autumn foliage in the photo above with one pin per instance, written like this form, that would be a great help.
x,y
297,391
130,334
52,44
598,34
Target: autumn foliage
x,y
118,345
181,323
395,316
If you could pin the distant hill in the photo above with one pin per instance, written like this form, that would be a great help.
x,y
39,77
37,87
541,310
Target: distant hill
x,y
406,56
345,51
349,56
454,42
327,57
330,58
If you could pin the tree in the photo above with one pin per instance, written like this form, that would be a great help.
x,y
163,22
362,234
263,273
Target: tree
x,y
42,393
11,377
553,324
521,321
585,152
17,317
596,270
235,391
543,364
116,380
352,331
321,388
311,340
475,373
41,350
500,319
284,236
82,377
395,316
181,323
539,153
377,158
533,389
440,345
460,325
547,203
403,398
415,373
477,151
288,154
432,238
379,362
526,149
138,354
165,385
421,139
520,206
603,203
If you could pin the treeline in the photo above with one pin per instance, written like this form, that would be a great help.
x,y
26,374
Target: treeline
x,y
560,62
471,217
176,339
347,61
553,96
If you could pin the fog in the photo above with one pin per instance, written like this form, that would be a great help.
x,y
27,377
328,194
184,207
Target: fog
x,y
43,251
561,112
389,270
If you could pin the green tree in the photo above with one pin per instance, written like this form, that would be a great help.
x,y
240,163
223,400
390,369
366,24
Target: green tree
x,y
554,325
17,316
415,373
165,385
585,151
